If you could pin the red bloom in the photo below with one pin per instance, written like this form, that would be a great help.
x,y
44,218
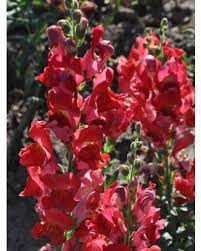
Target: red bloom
x,y
64,113
186,185
39,153
52,228
117,247
64,73
64,188
106,108
148,233
94,245
182,141
159,94
144,202
86,146
46,248
152,248
88,195
95,58
31,189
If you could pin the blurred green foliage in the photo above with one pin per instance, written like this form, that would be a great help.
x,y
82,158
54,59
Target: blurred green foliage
x,y
27,43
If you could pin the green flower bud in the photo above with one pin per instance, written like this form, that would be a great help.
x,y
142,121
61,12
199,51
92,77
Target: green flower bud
x,y
71,4
68,3
77,14
82,28
130,158
65,25
124,169
133,146
138,127
164,24
75,4
147,31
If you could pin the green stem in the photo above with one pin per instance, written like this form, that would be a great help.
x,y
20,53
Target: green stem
x,y
69,157
168,183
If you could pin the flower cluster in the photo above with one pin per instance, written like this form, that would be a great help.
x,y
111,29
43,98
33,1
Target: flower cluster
x,y
74,207
159,93
185,183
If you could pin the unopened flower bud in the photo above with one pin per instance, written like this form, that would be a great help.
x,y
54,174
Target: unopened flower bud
x,y
71,4
164,24
77,14
68,3
122,197
54,34
138,127
150,63
133,146
147,31
82,28
124,169
88,8
70,46
137,163
130,158
75,4
65,25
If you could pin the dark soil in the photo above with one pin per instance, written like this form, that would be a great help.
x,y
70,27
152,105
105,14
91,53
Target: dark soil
x,y
22,108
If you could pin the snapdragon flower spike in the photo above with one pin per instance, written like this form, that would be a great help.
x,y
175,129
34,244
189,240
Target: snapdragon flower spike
x,y
75,210
157,88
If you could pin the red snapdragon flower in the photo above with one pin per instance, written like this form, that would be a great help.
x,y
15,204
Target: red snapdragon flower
x,y
41,152
100,50
52,227
86,147
159,93
106,108
185,184
64,113
63,189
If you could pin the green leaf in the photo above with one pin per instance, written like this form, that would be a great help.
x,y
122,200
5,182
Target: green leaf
x,y
81,87
112,179
68,234
108,146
